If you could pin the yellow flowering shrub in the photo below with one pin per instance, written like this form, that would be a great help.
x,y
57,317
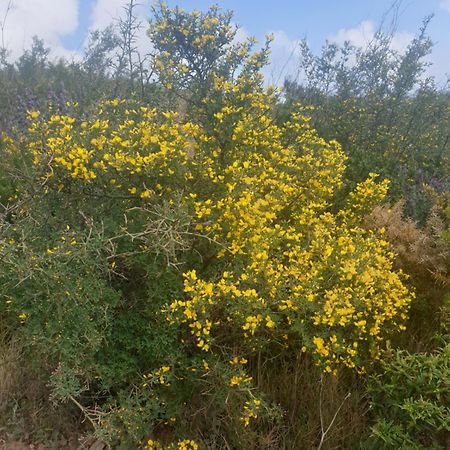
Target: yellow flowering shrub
x,y
192,47
288,267
293,271
268,260
217,235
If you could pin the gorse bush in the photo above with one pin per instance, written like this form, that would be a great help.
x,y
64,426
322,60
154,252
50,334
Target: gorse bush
x,y
134,197
157,262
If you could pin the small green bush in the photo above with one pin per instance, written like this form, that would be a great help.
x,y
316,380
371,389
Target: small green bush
x,y
411,401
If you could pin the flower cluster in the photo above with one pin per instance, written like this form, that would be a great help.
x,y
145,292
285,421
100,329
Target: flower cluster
x,y
159,376
136,155
251,409
185,444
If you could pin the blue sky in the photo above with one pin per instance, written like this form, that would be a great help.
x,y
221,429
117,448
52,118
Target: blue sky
x,y
64,23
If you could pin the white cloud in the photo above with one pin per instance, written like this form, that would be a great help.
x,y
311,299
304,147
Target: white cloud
x,y
359,36
401,40
363,34
445,4
49,20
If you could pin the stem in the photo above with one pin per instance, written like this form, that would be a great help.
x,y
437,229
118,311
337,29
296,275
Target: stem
x,y
324,432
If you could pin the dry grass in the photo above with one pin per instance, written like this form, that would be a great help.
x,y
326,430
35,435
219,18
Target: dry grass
x,y
10,371
314,403
310,401
26,413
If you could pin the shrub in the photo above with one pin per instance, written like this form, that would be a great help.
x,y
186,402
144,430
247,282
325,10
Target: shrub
x,y
410,401
151,259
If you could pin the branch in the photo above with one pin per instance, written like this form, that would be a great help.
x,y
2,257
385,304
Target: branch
x,y
324,431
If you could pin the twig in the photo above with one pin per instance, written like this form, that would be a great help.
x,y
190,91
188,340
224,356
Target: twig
x,y
3,22
83,410
324,431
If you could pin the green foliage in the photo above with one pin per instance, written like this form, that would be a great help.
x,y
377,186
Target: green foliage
x,y
410,400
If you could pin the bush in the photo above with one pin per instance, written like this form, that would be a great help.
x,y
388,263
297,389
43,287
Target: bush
x,y
410,401
267,265
159,263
